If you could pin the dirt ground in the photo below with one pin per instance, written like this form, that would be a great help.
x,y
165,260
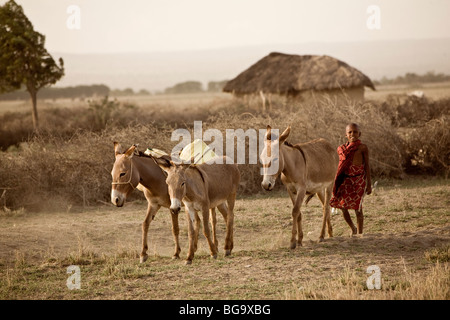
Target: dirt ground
x,y
407,235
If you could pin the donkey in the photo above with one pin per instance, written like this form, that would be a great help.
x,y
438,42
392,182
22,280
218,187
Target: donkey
x,y
306,169
200,188
131,171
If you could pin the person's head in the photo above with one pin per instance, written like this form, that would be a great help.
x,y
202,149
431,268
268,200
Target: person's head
x,y
352,132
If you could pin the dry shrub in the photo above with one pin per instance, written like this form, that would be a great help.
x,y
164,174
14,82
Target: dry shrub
x,y
423,124
96,116
327,119
50,172
386,150
15,128
428,147
410,111
73,167
250,172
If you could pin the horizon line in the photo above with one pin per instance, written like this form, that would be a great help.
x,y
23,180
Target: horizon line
x,y
236,47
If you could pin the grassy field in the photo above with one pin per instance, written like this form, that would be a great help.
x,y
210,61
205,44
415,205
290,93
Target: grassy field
x,y
182,101
431,90
175,101
407,222
407,235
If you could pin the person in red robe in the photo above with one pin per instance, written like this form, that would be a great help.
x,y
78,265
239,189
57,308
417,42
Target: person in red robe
x,y
352,179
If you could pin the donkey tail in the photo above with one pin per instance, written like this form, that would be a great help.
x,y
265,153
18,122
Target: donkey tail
x,y
309,198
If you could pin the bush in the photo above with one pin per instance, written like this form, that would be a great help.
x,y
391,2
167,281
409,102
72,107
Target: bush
x,y
328,120
428,147
69,164
50,171
412,111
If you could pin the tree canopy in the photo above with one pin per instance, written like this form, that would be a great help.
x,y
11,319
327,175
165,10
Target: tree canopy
x,y
24,61
185,87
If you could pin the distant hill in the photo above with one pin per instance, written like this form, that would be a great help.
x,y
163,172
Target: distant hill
x,y
158,70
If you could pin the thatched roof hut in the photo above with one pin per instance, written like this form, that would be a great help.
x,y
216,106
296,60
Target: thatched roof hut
x,y
294,75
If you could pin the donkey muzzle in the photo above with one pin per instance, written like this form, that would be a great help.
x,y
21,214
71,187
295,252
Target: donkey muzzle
x,y
267,184
117,199
175,206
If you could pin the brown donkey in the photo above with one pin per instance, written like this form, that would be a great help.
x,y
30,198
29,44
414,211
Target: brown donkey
x,y
306,169
200,188
131,171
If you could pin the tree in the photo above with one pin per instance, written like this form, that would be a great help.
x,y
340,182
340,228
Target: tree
x,y
216,86
24,61
185,87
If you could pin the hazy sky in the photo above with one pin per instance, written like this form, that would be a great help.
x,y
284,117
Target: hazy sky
x,y
176,25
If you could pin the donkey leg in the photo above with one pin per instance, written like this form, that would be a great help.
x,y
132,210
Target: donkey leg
x,y
292,194
176,233
300,229
230,224
196,231
328,194
223,209
297,229
325,199
207,232
151,212
213,220
295,216
191,234
324,220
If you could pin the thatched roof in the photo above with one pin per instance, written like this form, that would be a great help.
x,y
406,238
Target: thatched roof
x,y
290,74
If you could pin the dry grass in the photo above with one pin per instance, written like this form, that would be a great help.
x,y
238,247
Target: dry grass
x,y
72,168
407,234
350,285
53,211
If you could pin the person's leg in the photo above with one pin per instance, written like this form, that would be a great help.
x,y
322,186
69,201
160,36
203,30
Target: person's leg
x,y
349,221
359,220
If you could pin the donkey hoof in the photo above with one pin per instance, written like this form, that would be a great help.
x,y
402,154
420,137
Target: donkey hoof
x,y
293,245
227,252
142,259
188,262
175,256
321,239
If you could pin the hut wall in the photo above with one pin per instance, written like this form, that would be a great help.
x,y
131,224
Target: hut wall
x,y
340,96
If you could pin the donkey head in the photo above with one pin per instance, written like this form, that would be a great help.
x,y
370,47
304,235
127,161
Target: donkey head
x,y
124,178
176,182
271,157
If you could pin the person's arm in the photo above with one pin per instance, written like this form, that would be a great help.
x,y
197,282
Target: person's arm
x,y
365,153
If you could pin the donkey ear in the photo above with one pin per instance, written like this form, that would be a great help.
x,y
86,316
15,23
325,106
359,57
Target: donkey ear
x,y
130,152
268,133
117,148
285,134
164,163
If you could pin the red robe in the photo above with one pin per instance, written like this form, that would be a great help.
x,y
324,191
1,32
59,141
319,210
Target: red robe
x,y
350,181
